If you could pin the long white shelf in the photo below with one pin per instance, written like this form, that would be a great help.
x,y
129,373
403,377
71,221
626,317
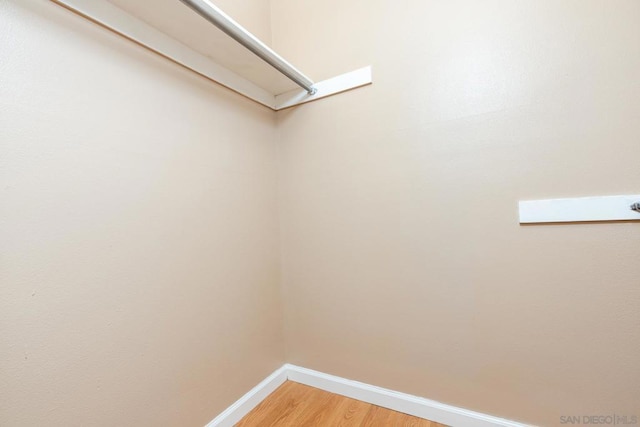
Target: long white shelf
x,y
242,72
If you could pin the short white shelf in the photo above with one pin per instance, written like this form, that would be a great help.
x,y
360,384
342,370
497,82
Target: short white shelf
x,y
583,209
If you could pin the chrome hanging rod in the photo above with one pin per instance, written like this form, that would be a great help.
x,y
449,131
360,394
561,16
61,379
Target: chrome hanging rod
x,y
234,30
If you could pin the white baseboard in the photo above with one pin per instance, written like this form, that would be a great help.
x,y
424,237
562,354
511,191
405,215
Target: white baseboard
x,y
234,413
401,402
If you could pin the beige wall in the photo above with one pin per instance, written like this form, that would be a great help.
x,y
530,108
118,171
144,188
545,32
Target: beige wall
x,y
404,264
138,215
138,255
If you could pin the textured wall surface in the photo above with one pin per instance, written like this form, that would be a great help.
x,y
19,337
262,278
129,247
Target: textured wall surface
x,y
138,231
404,264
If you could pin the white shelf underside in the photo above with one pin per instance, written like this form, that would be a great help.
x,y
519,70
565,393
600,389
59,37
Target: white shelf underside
x,y
259,81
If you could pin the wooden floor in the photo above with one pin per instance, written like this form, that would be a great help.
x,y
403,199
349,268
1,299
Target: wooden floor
x,y
297,405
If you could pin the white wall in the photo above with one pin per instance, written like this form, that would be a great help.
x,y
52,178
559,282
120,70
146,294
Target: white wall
x,y
138,231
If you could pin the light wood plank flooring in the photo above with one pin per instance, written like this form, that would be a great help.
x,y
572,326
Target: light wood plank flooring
x,y
297,405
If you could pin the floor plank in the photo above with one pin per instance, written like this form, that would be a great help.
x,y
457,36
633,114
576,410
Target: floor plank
x,y
317,410
376,416
280,408
349,412
298,405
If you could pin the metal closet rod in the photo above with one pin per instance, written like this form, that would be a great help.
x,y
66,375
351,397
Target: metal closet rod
x,y
234,30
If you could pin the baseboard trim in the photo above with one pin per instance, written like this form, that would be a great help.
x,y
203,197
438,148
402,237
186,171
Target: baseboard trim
x,y
401,402
234,413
